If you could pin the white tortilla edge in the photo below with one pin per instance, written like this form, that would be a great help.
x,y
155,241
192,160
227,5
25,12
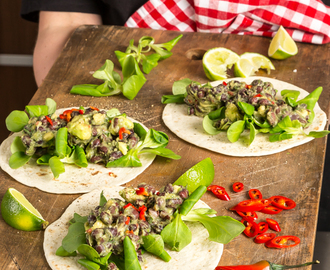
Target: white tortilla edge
x,y
201,253
74,180
190,127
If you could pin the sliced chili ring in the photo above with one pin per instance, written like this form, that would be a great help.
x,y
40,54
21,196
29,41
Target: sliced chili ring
x,y
264,237
49,120
284,241
251,228
282,202
273,224
271,210
255,194
238,186
249,216
251,205
262,227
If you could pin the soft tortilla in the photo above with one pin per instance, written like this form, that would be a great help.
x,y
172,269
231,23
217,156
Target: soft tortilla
x,y
75,179
190,128
201,253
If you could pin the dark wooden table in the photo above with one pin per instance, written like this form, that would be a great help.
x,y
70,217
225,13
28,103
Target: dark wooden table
x,y
295,173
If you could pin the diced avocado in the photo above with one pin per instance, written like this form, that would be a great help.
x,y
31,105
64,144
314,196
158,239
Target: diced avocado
x,y
232,113
120,122
80,127
122,148
99,119
48,136
262,110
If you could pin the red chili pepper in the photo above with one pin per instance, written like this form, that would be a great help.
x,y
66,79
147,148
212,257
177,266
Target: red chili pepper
x,y
255,194
271,210
121,131
62,116
142,210
273,224
128,205
142,191
81,111
238,186
49,120
264,237
224,83
93,108
89,231
282,202
251,205
249,216
129,232
263,265
127,220
219,192
251,229
262,227
248,86
284,241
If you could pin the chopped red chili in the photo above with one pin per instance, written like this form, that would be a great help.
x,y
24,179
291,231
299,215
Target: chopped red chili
x,y
284,241
249,216
142,210
129,232
282,202
94,108
248,86
224,83
271,210
264,237
262,227
273,224
238,186
81,111
251,205
49,120
127,220
219,192
121,131
128,205
142,191
251,228
89,231
255,194
258,95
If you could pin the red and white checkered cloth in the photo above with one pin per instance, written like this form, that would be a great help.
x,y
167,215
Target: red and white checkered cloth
x,y
305,20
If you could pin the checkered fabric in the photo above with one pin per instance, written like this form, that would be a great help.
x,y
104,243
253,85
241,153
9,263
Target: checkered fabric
x,y
305,20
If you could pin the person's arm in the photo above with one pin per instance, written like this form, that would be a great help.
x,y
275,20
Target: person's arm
x,y
54,30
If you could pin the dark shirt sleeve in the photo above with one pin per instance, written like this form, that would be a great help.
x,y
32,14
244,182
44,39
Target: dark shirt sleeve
x,y
30,8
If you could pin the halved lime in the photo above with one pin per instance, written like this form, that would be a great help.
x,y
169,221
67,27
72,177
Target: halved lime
x,y
19,213
250,63
216,61
200,174
282,45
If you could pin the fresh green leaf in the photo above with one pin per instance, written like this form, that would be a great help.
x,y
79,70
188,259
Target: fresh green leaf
x,y
179,99
78,218
56,166
103,200
311,99
208,126
61,142
51,104
63,253
79,157
18,159
217,114
150,62
176,234
17,145
76,236
129,160
292,94
318,134
113,113
16,121
179,87
133,85
154,244
253,131
140,131
131,259
44,160
92,90
89,264
164,49
106,73
36,110
163,152
222,229
246,108
189,203
235,130
119,261
205,211
90,253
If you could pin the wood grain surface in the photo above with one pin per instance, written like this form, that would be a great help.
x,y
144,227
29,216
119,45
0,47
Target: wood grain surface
x,y
295,173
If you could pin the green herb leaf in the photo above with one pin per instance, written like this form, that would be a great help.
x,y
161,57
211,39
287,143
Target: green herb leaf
x,y
318,134
37,110
208,126
44,160
150,62
17,145
189,203
103,199
61,142
311,99
76,236
163,152
51,104
16,121
131,259
179,99
154,244
129,160
56,166
63,253
18,159
246,108
89,264
113,113
140,131
235,130
222,229
176,234
179,87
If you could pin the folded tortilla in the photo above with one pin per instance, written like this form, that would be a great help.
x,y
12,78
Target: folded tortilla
x,y
200,254
75,179
190,127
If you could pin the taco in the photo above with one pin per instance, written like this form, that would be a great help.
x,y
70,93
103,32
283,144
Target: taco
x,y
209,252
187,122
78,150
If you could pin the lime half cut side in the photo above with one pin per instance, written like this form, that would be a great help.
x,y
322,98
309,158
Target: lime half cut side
x,y
216,61
282,45
250,63
19,213
201,173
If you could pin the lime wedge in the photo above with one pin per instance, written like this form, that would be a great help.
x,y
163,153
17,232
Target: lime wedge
x,y
19,213
200,174
282,45
216,61
250,63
